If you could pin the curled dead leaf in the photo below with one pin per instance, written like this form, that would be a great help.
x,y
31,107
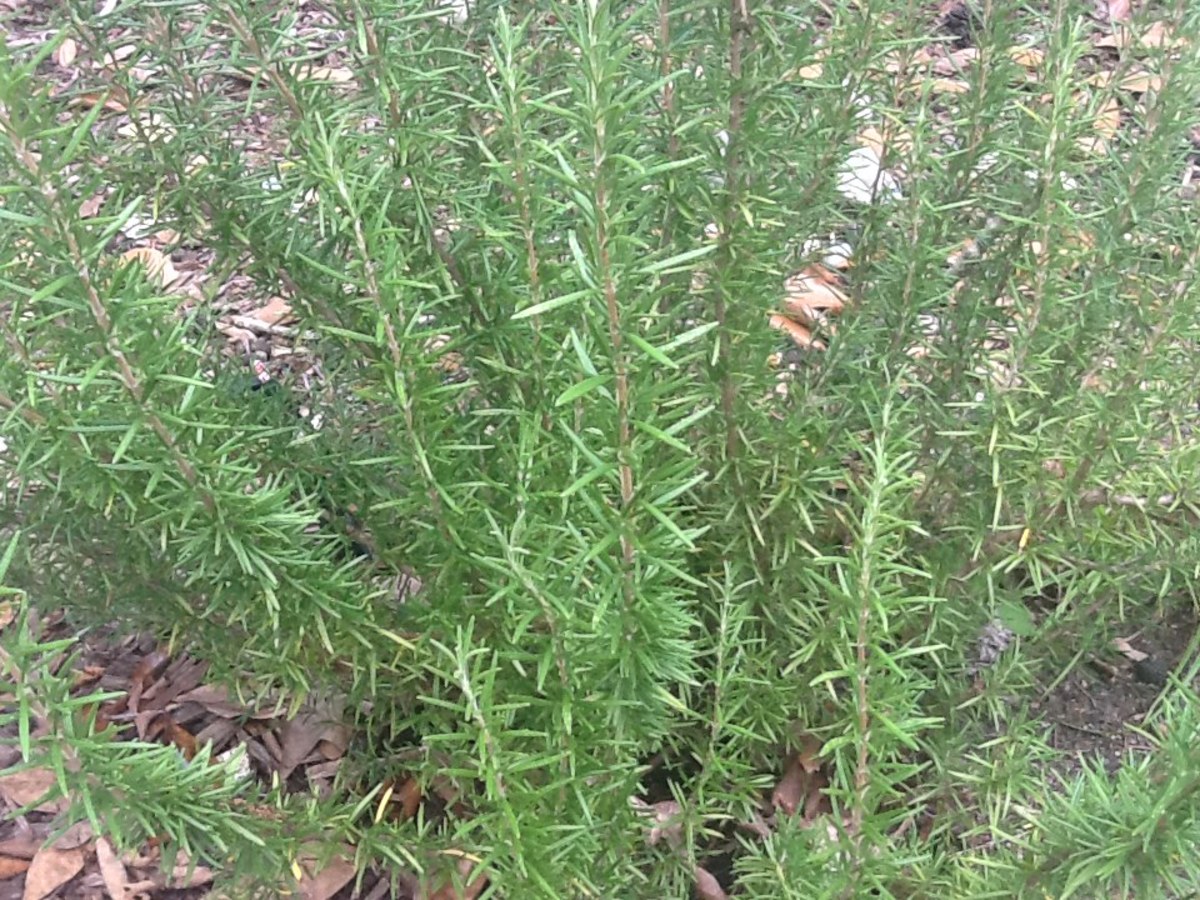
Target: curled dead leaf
x,y
1122,646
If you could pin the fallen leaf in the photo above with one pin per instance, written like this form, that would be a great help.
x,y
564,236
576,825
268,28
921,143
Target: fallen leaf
x,y
65,53
325,74
812,293
1122,646
11,867
1027,57
800,335
275,311
8,612
183,739
30,786
156,263
802,782
955,62
1104,127
76,836
25,841
1135,81
331,878
1155,37
300,735
116,879
889,141
949,86
152,127
409,799
91,205
1120,10
118,55
469,890
667,818
114,100
707,886
50,870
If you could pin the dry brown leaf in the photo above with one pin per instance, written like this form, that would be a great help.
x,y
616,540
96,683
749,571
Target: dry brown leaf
x,y
114,100
152,126
65,53
955,62
811,293
707,886
156,263
1135,81
450,891
274,312
409,799
1027,57
802,783
50,870
1122,646
11,867
8,612
667,818
331,878
892,139
300,735
113,57
325,74
1120,10
76,836
29,786
800,335
1105,125
1054,467
91,205
116,879
1156,36
949,86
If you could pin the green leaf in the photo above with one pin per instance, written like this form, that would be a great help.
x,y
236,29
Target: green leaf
x,y
582,388
676,263
547,305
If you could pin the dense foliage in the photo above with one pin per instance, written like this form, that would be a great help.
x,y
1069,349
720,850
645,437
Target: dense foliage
x,y
533,252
